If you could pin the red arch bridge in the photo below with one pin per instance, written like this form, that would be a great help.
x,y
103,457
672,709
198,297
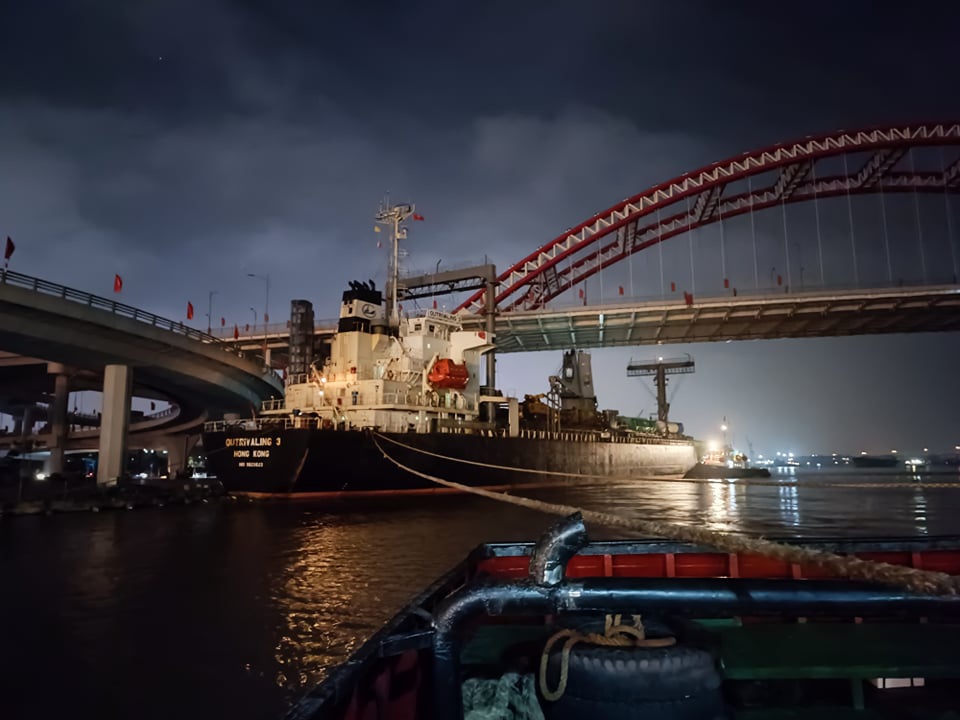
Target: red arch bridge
x,y
849,232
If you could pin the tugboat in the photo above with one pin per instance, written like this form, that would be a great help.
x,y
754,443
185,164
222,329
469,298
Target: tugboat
x,y
396,400
571,629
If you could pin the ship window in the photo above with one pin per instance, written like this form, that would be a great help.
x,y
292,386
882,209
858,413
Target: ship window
x,y
432,328
417,327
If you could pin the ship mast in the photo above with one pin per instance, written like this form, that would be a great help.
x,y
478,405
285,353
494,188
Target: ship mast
x,y
392,216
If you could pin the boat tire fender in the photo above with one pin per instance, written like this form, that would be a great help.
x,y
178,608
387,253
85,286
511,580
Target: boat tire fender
x,y
629,674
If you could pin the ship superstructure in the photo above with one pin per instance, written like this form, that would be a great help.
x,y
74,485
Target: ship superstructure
x,y
416,375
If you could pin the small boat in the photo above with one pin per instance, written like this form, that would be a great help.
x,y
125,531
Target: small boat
x,y
567,628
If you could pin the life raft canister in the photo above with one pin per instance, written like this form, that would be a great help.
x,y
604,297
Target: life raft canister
x,y
445,373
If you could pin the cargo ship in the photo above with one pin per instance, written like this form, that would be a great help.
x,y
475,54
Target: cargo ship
x,y
393,401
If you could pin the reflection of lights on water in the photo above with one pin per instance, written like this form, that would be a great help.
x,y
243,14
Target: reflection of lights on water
x,y
722,508
920,511
789,505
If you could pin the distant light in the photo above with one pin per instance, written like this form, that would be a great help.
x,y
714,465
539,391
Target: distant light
x,y
894,452
863,452
926,450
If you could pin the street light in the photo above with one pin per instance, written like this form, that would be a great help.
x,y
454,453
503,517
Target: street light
x,y
210,309
266,315
266,301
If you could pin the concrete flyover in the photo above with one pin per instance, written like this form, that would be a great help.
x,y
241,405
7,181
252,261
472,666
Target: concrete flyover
x,y
43,320
76,330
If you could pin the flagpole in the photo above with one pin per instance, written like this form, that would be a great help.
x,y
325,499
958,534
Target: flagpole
x,y
210,310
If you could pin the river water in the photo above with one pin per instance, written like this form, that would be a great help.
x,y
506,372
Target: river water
x,y
234,609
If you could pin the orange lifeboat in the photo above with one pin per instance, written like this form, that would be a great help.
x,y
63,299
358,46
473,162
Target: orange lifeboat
x,y
448,374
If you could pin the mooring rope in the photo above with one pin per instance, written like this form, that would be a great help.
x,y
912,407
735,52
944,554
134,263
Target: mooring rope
x,y
914,579
615,634
690,481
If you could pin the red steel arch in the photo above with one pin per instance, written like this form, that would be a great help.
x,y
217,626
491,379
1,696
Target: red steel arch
x,y
697,198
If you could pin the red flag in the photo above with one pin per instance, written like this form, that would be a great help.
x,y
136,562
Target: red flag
x,y
779,279
621,289
236,332
581,292
434,304
688,297
189,310
117,283
673,287
266,318
10,248
417,216
223,322
726,282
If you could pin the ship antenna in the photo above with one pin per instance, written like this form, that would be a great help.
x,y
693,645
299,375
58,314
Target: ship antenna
x,y
392,216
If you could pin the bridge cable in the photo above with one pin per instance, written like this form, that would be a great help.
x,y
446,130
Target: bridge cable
x,y
816,210
786,238
660,250
753,235
853,235
946,207
913,579
691,228
916,210
886,233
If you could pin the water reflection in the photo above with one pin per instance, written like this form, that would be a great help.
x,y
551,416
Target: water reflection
x,y
234,610
789,505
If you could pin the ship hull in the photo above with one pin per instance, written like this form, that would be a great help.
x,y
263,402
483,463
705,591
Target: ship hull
x,y
312,462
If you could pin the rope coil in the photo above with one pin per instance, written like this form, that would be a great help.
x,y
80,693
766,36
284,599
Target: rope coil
x,y
913,579
615,634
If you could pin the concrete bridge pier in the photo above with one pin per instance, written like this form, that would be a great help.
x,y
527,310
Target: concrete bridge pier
x,y
114,423
23,425
57,417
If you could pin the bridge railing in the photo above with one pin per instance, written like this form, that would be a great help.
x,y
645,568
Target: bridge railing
x,y
46,287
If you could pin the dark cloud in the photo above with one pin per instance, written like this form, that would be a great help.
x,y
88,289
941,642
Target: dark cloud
x,y
185,145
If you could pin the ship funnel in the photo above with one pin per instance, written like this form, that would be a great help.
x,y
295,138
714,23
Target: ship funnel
x,y
301,337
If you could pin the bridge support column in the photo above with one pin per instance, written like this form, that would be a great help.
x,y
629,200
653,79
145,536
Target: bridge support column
x,y
25,423
58,417
114,423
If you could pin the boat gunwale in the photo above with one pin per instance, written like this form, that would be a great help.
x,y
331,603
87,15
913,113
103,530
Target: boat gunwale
x,y
340,683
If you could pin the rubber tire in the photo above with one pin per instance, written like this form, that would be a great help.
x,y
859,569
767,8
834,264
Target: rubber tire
x,y
708,706
629,675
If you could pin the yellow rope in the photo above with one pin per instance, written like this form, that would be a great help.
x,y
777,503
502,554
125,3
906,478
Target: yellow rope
x,y
916,580
615,634
693,481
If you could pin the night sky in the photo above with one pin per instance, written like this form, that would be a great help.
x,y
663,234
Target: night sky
x,y
185,144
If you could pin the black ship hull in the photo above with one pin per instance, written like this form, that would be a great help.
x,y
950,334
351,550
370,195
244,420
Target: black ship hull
x,y
313,462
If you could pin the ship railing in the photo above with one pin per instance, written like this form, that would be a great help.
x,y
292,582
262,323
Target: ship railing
x,y
273,404
599,436
286,423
